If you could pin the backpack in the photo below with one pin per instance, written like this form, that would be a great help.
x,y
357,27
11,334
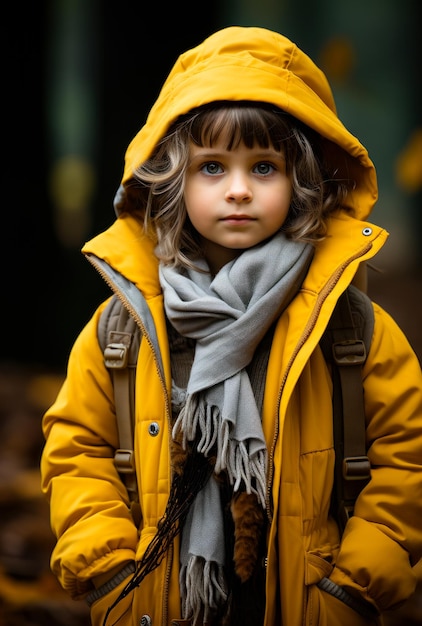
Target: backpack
x,y
345,345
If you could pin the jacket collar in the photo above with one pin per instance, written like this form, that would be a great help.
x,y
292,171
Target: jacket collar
x,y
130,251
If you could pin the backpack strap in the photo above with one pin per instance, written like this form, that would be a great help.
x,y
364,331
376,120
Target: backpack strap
x,y
119,337
345,345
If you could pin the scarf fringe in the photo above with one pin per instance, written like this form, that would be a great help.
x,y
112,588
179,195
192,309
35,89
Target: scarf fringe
x,y
251,471
204,588
201,421
197,419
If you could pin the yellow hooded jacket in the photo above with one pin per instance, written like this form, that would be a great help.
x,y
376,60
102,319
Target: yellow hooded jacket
x,y
89,504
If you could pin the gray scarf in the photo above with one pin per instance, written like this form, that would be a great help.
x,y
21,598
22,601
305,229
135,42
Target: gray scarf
x,y
228,316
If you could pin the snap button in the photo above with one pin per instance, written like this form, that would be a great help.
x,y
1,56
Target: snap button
x,y
145,620
367,231
153,429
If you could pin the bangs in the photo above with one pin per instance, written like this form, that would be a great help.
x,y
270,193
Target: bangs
x,y
239,123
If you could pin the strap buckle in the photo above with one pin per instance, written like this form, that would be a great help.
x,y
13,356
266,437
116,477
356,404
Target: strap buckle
x,y
349,352
124,460
116,355
356,468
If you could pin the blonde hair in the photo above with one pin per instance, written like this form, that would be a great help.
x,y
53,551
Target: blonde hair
x,y
315,191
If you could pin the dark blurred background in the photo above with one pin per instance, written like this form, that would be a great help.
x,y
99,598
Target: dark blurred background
x,y
79,77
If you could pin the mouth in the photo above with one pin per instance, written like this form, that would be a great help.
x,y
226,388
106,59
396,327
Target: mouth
x,y
238,219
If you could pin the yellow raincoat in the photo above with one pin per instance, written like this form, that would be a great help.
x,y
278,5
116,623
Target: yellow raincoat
x,y
89,504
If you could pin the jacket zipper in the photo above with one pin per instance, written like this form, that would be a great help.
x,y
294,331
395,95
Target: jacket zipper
x,y
304,337
120,294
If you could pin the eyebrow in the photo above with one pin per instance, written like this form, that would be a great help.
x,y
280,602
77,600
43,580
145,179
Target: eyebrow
x,y
209,153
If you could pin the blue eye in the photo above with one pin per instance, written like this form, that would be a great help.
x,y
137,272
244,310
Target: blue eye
x,y
211,168
263,169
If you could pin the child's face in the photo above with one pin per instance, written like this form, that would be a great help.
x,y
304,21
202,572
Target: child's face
x,y
235,199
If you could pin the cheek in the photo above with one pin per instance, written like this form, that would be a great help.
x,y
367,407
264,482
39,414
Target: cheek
x,y
281,209
194,208
198,203
196,213
192,198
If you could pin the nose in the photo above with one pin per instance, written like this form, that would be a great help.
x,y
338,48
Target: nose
x,y
238,188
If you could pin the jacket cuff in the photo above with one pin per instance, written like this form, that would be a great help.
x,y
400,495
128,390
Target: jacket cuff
x,y
111,584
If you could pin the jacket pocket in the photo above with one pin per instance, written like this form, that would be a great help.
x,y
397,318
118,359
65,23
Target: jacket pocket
x,y
318,564
121,613
324,609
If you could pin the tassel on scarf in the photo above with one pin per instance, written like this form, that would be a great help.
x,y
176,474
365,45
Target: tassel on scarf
x,y
200,420
204,589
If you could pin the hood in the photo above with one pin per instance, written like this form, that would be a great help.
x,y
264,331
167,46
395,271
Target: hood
x,y
256,64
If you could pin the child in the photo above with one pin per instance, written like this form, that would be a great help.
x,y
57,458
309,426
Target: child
x,y
241,219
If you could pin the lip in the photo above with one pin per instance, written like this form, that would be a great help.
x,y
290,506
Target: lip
x,y
238,219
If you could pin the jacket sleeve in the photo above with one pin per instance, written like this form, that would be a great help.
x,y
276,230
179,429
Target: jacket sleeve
x,y
89,506
383,539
